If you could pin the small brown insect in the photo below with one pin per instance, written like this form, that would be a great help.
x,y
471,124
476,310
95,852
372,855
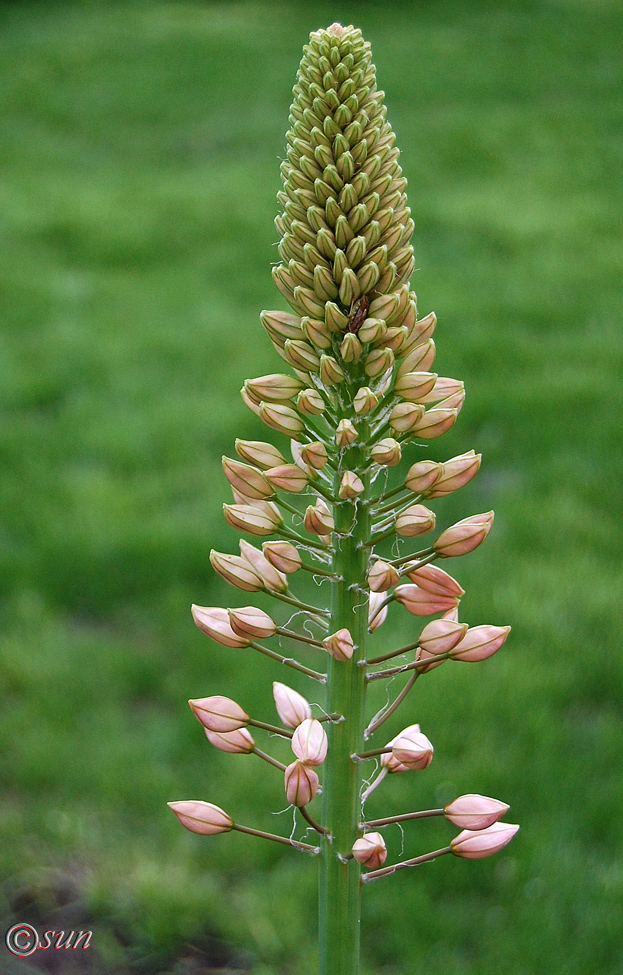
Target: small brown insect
x,y
358,312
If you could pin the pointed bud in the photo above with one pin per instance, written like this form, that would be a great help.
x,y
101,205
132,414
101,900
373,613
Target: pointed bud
x,y
309,742
434,423
301,784
331,371
340,644
351,486
261,454
372,330
480,642
345,433
419,360
317,332
378,361
416,520
281,418
252,518
351,348
387,452
436,581
284,556
252,623
422,476
475,812
274,388
455,473
318,519
412,748
365,401
281,325
202,817
375,619
236,571
315,455
301,355
246,480
405,417
291,706
310,402
382,577
336,319
443,388
441,636
287,477
464,536
414,386
385,307
418,602
370,850
238,742
215,622
474,845
219,713
273,580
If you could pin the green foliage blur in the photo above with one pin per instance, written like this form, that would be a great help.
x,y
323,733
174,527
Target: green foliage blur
x,y
140,162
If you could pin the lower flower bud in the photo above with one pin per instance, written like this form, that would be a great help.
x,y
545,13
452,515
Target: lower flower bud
x,y
238,742
340,644
219,713
301,784
370,850
202,817
215,622
291,706
309,742
483,843
252,623
416,520
474,812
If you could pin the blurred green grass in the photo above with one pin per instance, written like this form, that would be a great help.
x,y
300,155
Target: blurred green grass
x,y
140,153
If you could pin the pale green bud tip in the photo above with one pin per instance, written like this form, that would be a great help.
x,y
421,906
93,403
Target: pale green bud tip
x,y
202,817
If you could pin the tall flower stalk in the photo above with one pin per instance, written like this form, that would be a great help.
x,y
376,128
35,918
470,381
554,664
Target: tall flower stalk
x,y
361,391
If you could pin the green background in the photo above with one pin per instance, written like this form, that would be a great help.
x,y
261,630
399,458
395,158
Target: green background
x,y
140,161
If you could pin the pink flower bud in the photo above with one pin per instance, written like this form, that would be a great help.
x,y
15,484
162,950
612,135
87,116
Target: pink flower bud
x,y
414,386
455,473
239,742
418,602
375,619
310,402
436,581
464,537
309,742
351,348
416,520
331,371
274,388
315,455
387,452
345,433
434,423
480,642
236,571
219,713
281,325
252,623
405,416
287,477
443,388
202,817
291,706
246,479
382,577
215,622
378,361
284,556
283,419
249,401
441,636
351,486
474,845
297,457
318,520
389,761
272,579
339,645
453,402
365,401
253,519
419,359
475,812
370,850
301,355
412,748
301,784
261,454
422,476
422,656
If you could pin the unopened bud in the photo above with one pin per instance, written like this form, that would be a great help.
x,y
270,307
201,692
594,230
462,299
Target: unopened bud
x,y
475,812
441,636
287,477
281,325
273,580
281,418
414,385
297,457
376,618
365,401
474,845
202,817
238,742
284,556
351,348
455,473
382,577
443,388
351,486
301,355
464,536
412,748
246,480
236,571
315,455
252,623
370,850
261,454
345,433
340,644
317,332
336,319
291,706
405,416
274,388
309,742
436,581
416,520
253,519
385,307
378,361
301,784
418,602
310,402
215,622
331,372
387,452
372,330
480,642
318,520
418,360
219,713
434,423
